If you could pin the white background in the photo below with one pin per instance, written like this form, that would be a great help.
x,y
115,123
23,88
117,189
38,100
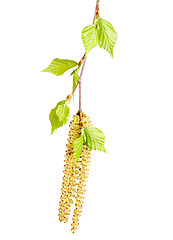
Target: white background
x,y
130,190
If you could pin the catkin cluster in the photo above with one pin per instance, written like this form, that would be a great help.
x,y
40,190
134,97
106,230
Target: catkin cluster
x,y
75,173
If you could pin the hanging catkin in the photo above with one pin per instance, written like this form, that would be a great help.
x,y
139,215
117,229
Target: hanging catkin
x,y
84,162
75,173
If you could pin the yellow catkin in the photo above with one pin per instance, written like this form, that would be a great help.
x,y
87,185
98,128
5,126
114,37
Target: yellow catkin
x,y
75,173
84,162
70,171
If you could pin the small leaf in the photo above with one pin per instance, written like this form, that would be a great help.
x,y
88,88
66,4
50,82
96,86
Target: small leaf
x,y
75,80
75,71
106,35
89,37
55,123
62,110
78,147
72,73
94,138
54,119
60,66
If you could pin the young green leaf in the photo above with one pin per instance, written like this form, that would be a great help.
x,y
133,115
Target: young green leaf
x,y
89,37
75,80
78,147
60,66
55,123
62,110
54,119
72,73
75,71
94,138
106,35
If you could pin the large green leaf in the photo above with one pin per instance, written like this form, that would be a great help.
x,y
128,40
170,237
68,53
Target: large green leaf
x,y
106,35
54,119
60,66
94,138
78,147
89,37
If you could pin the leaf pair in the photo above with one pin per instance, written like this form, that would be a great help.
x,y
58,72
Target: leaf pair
x,y
94,139
59,115
101,33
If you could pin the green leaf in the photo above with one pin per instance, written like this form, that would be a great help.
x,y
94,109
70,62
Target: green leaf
x,y
62,111
60,66
106,35
55,123
75,71
72,73
78,147
89,37
94,138
54,119
75,80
